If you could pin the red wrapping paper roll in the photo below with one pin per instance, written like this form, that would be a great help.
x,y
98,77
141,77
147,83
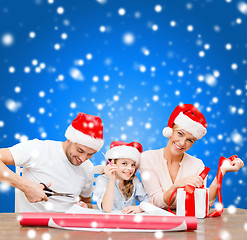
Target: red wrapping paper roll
x,y
143,222
38,218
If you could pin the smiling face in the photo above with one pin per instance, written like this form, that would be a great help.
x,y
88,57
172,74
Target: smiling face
x,y
180,141
77,153
126,168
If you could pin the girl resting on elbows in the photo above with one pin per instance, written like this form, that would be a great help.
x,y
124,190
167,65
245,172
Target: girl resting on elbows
x,y
166,169
118,187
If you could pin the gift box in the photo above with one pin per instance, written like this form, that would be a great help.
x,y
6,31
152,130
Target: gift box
x,y
192,201
195,203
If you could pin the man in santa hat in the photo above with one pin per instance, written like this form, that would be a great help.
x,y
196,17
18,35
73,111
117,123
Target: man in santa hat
x,y
62,166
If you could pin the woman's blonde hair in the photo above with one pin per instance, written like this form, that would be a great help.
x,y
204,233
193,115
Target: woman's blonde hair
x,y
128,184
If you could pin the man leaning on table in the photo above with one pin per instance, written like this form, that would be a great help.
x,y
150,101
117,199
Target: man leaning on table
x,y
63,166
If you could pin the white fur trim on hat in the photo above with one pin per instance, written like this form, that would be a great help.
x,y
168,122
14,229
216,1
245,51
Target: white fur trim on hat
x,y
76,136
193,127
124,152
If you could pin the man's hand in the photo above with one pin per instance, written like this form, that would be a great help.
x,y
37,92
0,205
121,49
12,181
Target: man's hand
x,y
34,192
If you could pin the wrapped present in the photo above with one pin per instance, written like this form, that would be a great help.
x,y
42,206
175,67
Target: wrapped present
x,y
192,204
193,201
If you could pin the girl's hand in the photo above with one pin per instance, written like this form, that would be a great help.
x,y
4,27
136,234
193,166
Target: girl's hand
x,y
193,180
231,166
82,204
110,171
132,210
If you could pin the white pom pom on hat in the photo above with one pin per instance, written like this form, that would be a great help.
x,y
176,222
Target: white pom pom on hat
x,y
167,132
189,118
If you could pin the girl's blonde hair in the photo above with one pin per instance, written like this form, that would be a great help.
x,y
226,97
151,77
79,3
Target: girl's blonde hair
x,y
128,184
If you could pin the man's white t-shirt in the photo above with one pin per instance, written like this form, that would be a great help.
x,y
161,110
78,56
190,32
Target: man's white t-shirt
x,y
46,162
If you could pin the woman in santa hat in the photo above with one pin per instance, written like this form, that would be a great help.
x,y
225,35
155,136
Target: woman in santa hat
x,y
164,170
118,188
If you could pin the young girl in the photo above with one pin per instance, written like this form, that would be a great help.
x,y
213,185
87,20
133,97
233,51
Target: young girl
x,y
118,187
166,169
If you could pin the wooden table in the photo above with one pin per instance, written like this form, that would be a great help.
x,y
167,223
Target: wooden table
x,y
229,226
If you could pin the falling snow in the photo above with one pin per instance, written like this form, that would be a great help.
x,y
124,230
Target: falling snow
x,y
46,236
131,65
7,39
128,38
76,74
242,7
31,234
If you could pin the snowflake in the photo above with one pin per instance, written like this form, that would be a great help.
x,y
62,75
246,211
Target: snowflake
x,y
158,8
7,39
31,234
60,10
128,38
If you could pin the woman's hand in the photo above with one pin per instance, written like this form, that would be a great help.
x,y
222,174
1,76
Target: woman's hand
x,y
193,180
110,172
132,210
231,166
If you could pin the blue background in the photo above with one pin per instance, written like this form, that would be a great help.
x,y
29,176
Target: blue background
x,y
132,84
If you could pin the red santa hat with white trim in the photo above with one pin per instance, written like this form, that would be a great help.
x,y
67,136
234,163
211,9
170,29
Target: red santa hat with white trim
x,y
119,149
86,130
189,118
